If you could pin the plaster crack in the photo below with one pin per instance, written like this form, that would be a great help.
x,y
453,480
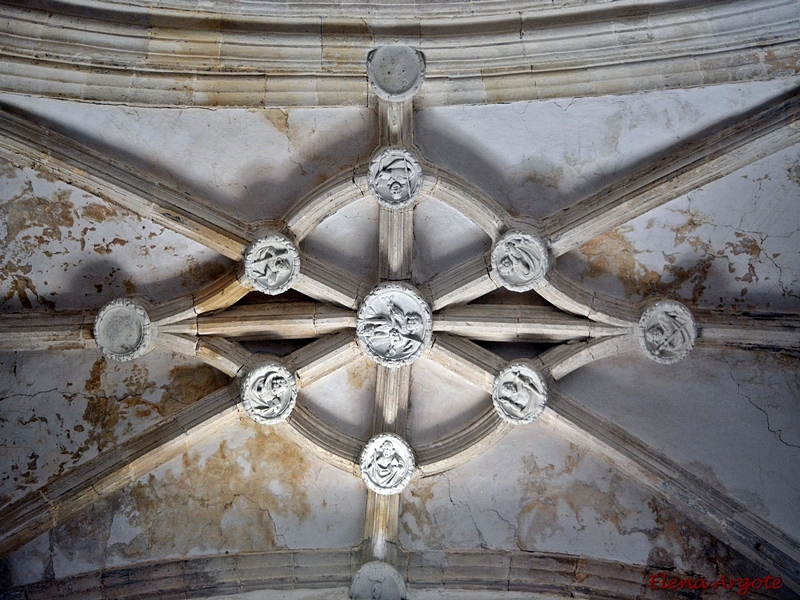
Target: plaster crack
x,y
775,432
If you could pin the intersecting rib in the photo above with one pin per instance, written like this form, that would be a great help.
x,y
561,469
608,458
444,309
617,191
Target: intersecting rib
x,y
714,153
505,323
33,331
70,494
26,141
718,514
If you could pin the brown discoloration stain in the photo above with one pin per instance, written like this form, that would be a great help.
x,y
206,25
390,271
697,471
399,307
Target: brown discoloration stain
x,y
358,373
98,212
188,384
416,519
225,500
278,117
20,286
129,286
8,170
106,248
198,273
26,210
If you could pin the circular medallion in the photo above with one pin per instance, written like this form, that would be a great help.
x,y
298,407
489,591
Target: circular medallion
x,y
269,393
387,464
519,394
520,260
395,177
122,329
395,72
272,263
377,579
394,324
666,331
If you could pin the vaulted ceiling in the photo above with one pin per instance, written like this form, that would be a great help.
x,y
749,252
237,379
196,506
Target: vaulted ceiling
x,y
145,145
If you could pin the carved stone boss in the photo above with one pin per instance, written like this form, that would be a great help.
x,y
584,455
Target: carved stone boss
x,y
269,393
122,330
387,464
394,324
272,263
395,177
666,331
519,394
520,260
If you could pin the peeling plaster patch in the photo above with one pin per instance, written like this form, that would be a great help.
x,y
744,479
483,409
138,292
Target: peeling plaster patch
x,y
706,248
91,407
32,562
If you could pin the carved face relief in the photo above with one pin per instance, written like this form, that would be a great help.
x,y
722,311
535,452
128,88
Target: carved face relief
x,y
520,394
387,464
269,393
122,330
395,177
667,331
272,263
394,324
520,260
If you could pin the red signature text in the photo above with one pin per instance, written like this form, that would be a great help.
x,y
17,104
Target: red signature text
x,y
741,585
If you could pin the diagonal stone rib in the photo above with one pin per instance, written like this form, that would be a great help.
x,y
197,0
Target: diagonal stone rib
x,y
395,243
26,141
571,297
322,281
466,359
713,153
504,323
277,320
322,357
752,330
225,355
325,442
459,285
70,494
717,513
33,331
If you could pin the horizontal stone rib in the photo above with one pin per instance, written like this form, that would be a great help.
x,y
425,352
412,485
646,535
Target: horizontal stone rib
x,y
70,494
775,331
36,331
26,141
277,320
717,151
508,323
94,51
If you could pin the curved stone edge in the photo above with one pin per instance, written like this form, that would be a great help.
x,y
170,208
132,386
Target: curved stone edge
x,y
374,571
373,76
373,444
499,69
148,338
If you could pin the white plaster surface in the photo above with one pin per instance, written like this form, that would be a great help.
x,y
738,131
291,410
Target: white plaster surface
x,y
729,416
536,158
537,492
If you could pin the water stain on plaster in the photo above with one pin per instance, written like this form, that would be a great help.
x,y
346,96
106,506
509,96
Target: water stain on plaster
x,y
359,373
197,273
235,498
416,519
279,118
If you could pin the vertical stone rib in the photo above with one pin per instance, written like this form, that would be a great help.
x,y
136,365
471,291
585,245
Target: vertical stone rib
x,y
396,123
395,240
